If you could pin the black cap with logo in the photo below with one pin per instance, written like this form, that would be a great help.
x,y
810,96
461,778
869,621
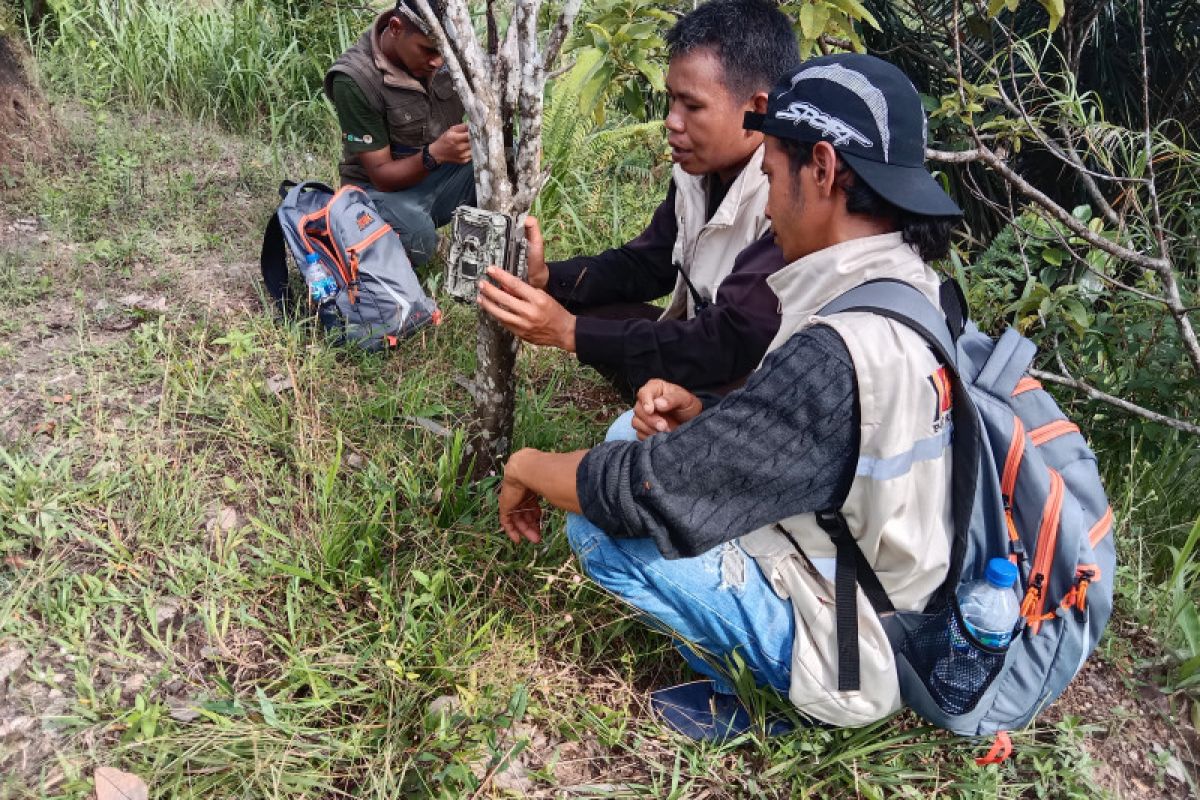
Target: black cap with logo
x,y
871,114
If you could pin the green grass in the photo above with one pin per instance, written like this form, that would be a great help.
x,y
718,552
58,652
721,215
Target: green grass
x,y
359,579
322,577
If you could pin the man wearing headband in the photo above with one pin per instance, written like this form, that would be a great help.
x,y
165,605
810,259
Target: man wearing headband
x,y
403,138
709,524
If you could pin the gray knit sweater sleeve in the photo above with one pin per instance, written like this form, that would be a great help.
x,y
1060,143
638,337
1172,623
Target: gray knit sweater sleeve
x,y
785,444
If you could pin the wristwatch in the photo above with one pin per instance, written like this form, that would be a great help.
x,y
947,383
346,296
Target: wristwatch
x,y
428,161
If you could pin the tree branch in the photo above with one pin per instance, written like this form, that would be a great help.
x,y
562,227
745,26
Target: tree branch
x,y
989,157
1093,393
558,34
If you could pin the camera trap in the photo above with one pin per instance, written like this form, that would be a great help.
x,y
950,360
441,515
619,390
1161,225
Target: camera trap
x,y
479,239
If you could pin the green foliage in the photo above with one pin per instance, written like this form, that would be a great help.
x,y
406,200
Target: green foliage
x,y
621,42
836,21
1184,614
1055,9
626,158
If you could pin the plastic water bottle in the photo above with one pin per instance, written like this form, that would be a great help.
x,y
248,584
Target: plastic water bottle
x,y
321,285
989,610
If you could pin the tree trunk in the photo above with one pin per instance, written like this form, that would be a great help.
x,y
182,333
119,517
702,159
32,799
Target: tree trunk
x,y
501,88
495,395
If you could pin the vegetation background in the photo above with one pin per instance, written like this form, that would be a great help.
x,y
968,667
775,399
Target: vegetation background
x,y
239,563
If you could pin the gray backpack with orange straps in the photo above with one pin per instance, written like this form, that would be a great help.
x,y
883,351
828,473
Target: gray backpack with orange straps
x,y
379,299
1025,486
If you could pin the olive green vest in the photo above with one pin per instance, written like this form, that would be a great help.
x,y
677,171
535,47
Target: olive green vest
x,y
416,115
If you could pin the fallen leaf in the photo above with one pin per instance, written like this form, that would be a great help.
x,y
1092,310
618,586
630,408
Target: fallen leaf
x,y
113,784
61,398
430,425
47,427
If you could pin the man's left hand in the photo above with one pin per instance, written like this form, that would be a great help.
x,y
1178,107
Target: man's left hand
x,y
520,507
528,313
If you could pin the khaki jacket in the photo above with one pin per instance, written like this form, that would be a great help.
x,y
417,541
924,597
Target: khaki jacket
x,y
706,248
898,507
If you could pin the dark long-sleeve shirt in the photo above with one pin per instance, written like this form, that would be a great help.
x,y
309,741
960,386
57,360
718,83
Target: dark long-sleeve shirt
x,y
786,444
718,346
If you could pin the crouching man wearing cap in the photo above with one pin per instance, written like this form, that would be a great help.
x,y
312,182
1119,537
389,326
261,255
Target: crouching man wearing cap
x,y
403,138
709,524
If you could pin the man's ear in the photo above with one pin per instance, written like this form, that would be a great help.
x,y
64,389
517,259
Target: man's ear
x,y
824,161
759,102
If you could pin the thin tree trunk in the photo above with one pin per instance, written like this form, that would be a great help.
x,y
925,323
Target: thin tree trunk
x,y
501,88
495,395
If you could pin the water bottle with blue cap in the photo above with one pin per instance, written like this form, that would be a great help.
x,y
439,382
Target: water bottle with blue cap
x,y
990,610
321,286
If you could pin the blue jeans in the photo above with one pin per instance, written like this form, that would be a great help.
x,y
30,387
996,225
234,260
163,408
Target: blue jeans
x,y
717,603
418,211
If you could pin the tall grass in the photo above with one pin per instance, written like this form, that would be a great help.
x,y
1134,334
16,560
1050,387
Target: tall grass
x,y
251,66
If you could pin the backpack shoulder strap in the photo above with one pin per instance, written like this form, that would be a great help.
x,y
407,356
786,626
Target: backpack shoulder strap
x,y
904,303
272,260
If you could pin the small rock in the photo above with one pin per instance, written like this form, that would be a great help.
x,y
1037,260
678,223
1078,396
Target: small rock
x,y
223,521
139,302
181,709
118,324
10,662
17,726
210,653
355,461
166,612
446,704
134,684
278,383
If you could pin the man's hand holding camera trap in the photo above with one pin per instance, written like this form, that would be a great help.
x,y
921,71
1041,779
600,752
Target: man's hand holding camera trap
x,y
527,312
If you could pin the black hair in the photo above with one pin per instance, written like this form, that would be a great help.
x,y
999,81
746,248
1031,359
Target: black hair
x,y
929,235
752,39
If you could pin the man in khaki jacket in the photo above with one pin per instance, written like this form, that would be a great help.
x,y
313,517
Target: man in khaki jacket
x,y
709,524
403,136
